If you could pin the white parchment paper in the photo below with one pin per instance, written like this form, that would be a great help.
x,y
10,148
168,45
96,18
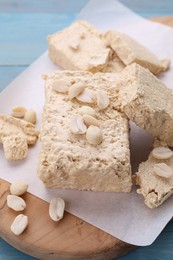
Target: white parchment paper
x,y
122,215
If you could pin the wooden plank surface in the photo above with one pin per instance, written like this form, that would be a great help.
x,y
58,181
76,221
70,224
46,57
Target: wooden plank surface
x,y
154,251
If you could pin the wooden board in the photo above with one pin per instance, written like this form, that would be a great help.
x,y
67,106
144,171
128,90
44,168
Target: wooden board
x,y
72,238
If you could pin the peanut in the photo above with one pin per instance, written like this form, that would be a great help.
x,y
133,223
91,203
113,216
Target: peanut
x,y
94,135
16,203
75,90
18,111
90,120
163,170
19,224
18,188
162,153
77,125
30,116
56,209
61,86
102,99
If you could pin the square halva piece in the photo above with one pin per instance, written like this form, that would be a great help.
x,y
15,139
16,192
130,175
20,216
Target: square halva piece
x,y
67,159
81,47
147,102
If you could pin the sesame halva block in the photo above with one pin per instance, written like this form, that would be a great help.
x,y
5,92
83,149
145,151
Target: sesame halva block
x,y
68,160
154,188
79,47
147,102
130,51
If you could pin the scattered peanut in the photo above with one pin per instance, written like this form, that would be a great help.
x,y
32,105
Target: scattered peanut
x,y
163,170
18,111
162,153
75,90
94,135
86,110
61,86
19,224
56,209
16,203
18,188
77,125
90,120
30,116
102,99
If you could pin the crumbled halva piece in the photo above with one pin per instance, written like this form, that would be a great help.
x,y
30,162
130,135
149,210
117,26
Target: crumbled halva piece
x,y
147,102
15,135
130,51
68,160
155,189
15,147
79,47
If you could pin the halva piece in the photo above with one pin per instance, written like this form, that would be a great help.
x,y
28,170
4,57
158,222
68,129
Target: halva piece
x,y
155,177
79,47
130,51
16,135
147,102
79,149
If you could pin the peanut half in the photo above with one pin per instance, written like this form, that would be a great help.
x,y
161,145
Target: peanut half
x,y
61,86
87,96
18,111
19,224
16,203
162,153
90,120
56,209
30,116
102,99
94,135
86,110
77,125
18,188
163,170
75,90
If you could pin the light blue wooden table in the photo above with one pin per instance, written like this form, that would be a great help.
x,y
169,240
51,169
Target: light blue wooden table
x,y
24,25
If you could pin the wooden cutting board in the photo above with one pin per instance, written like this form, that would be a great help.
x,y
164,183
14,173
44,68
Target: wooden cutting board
x,y
71,238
